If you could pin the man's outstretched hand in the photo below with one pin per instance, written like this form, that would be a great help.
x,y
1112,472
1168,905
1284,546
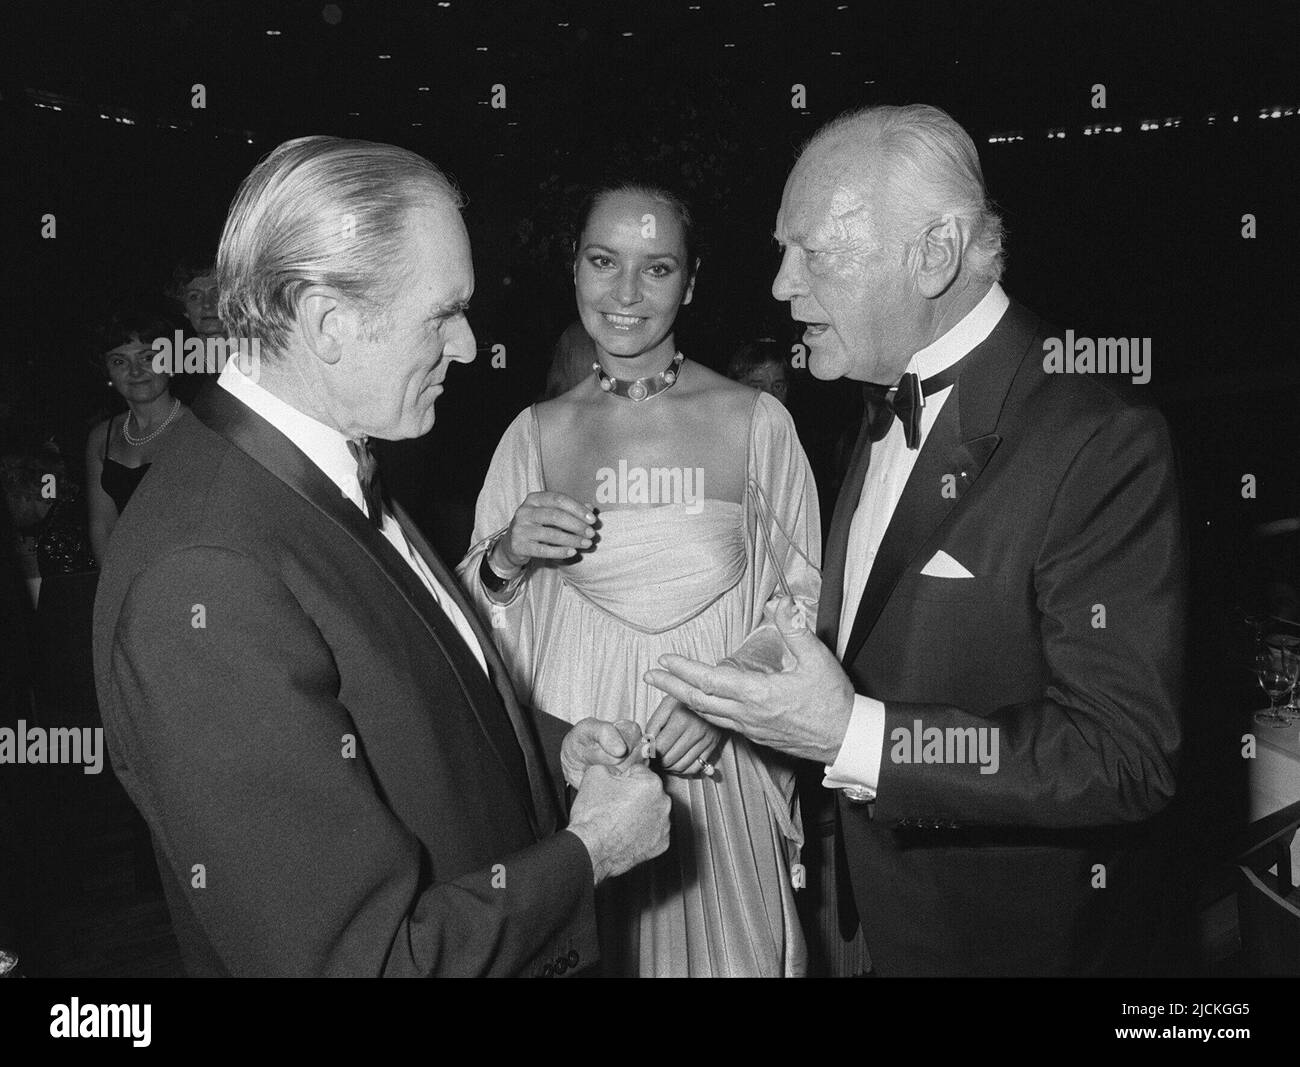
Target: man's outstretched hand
x,y
803,711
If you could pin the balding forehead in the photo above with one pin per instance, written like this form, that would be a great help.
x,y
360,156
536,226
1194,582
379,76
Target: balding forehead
x,y
846,160
830,189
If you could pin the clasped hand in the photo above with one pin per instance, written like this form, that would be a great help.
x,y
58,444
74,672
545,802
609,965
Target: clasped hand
x,y
620,812
593,742
679,738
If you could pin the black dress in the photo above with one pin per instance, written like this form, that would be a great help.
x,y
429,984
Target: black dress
x,y
117,479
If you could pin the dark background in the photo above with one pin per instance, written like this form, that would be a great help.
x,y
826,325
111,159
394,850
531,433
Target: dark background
x,y
1133,234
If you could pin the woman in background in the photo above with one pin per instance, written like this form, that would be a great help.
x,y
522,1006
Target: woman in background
x,y
656,507
120,449
194,288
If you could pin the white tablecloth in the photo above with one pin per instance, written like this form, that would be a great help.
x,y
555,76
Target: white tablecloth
x,y
1275,775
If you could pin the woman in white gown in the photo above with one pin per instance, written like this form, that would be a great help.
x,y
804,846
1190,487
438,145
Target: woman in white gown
x,y
703,508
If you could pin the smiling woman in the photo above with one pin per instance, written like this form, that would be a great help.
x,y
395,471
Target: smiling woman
x,y
120,450
623,520
634,269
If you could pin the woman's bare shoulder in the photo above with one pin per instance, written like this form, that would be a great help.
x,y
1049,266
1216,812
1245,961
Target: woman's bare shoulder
x,y
734,399
563,410
96,438
720,386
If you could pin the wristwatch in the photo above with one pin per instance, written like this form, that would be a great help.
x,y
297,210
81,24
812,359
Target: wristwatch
x,y
492,581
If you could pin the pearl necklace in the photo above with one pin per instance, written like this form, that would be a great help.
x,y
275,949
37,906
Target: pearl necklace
x,y
176,406
640,388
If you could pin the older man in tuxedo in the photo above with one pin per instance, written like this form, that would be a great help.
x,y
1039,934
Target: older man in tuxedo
x,y
337,775
1004,585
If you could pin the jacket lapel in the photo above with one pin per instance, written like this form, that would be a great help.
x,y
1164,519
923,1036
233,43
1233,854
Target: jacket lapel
x,y
544,796
837,542
954,454
946,468
271,449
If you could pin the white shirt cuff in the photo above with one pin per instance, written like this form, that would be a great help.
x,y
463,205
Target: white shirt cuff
x,y
858,761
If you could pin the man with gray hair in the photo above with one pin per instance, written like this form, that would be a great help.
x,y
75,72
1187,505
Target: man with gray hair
x,y
321,736
1004,586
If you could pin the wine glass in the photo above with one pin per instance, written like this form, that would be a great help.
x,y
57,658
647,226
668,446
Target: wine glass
x,y
1289,645
1277,670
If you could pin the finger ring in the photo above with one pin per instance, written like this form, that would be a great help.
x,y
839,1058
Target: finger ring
x,y
705,766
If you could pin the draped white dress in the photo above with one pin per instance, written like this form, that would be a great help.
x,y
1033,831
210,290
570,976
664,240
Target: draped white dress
x,y
579,637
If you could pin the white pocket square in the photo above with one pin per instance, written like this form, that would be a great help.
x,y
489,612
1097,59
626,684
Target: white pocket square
x,y
944,566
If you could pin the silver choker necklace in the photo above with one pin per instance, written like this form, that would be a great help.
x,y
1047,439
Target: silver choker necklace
x,y
639,389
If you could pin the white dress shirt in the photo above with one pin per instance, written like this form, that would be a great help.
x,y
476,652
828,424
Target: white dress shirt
x,y
328,449
858,760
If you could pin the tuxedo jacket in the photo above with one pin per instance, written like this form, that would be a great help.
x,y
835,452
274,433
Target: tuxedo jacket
x,y
1061,500
333,785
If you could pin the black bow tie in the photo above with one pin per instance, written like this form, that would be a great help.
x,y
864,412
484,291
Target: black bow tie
x,y
372,488
904,400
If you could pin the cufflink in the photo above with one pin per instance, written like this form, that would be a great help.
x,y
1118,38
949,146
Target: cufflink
x,y
858,794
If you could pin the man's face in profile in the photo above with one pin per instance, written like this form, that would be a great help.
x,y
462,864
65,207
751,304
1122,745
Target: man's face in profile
x,y
848,282
393,376
201,305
